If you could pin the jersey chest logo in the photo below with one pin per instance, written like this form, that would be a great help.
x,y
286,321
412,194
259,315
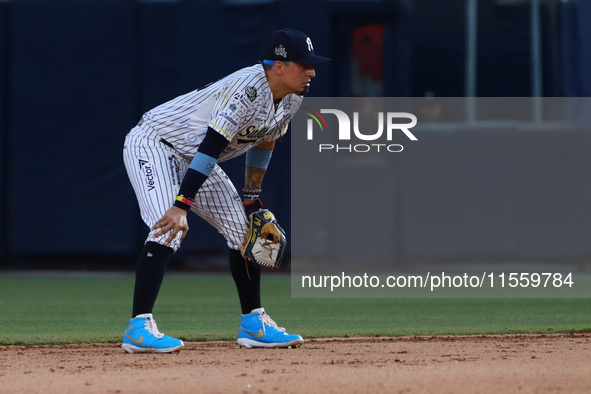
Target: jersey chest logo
x,y
253,132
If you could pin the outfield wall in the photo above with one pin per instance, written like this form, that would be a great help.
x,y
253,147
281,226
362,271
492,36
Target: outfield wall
x,y
77,75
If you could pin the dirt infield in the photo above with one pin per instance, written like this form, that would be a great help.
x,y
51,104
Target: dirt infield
x,y
439,364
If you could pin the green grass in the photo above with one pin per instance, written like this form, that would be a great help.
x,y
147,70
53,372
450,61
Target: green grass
x,y
62,308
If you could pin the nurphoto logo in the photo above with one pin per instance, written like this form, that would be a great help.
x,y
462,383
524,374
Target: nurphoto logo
x,y
350,131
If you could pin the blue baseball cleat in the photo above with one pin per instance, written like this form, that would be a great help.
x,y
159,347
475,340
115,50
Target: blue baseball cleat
x,y
258,330
142,335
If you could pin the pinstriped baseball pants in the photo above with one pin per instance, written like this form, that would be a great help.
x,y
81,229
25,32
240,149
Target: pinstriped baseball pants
x,y
156,171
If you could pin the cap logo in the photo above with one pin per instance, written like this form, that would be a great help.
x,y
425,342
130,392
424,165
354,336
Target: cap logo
x,y
280,51
309,42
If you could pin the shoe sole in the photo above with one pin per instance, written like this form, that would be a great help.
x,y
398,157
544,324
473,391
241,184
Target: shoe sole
x,y
249,343
136,349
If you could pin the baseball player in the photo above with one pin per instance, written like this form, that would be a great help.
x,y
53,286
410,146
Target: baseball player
x,y
171,159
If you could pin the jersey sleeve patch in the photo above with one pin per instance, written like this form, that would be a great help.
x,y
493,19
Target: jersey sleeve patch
x,y
251,93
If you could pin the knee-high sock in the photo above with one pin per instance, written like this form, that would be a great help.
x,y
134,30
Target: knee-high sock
x,y
247,277
151,266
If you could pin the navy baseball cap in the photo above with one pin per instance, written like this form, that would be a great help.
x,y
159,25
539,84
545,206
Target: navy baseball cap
x,y
288,45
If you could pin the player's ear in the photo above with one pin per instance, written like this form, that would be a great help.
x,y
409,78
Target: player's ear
x,y
278,67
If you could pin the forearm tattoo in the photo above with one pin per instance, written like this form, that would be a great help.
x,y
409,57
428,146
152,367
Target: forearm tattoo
x,y
253,180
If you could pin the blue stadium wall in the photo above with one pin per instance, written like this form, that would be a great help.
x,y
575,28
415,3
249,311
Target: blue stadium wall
x,y
77,75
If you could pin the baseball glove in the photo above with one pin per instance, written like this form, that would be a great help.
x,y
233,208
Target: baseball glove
x,y
265,240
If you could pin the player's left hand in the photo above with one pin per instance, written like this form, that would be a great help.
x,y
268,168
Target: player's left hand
x,y
265,241
252,206
174,219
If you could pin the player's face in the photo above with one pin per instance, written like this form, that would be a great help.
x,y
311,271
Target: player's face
x,y
297,77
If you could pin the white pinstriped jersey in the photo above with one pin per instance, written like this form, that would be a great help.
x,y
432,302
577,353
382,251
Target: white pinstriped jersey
x,y
239,107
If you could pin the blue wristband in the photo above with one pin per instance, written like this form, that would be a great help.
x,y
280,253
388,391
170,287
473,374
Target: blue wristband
x,y
203,163
258,158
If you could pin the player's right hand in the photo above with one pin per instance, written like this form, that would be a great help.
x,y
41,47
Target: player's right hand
x,y
174,220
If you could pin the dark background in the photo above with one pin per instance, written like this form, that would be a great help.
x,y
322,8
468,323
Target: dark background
x,y
76,75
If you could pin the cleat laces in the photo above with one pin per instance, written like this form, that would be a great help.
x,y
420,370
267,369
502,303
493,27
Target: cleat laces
x,y
152,328
266,319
